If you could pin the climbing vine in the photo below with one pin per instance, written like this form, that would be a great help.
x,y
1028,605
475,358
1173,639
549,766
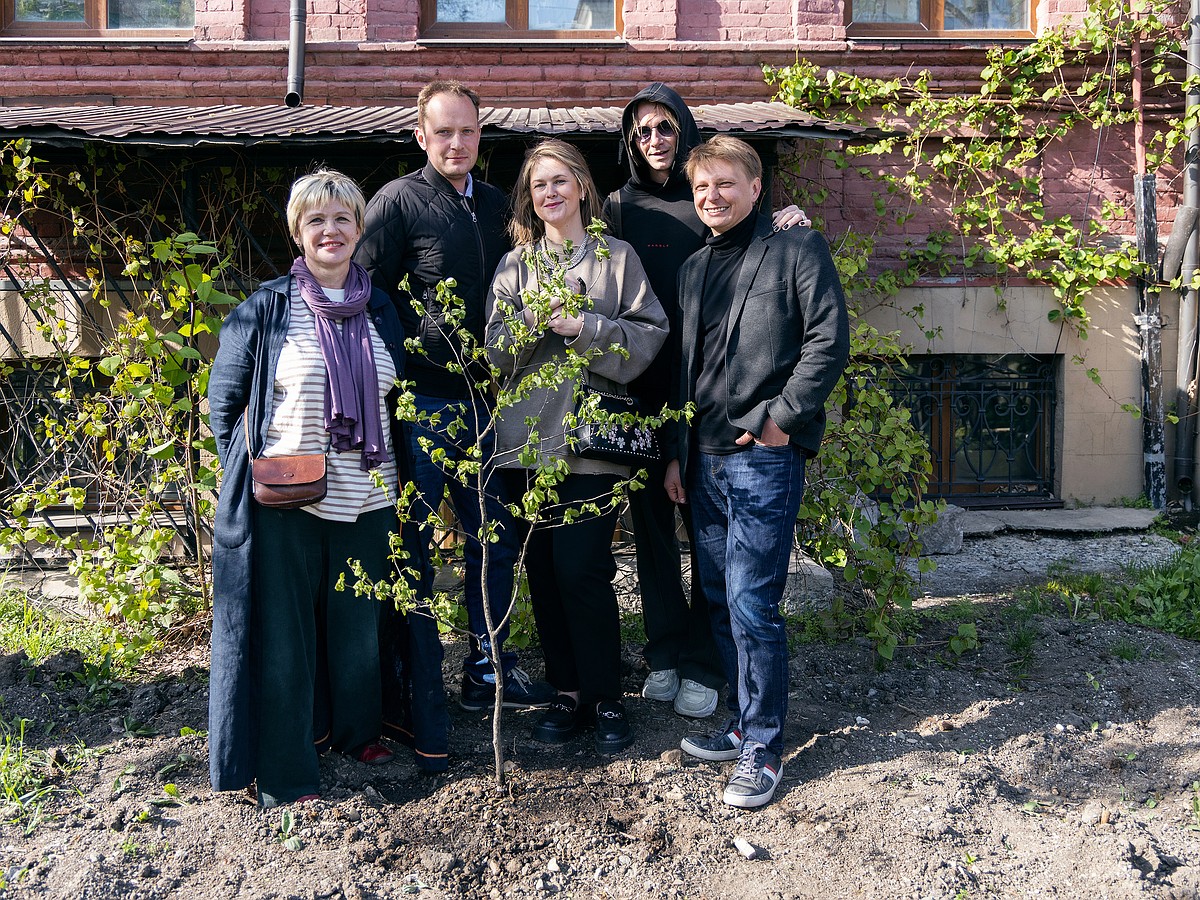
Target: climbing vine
x,y
978,154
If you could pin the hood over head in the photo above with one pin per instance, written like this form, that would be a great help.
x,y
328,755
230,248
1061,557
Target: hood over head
x,y
689,134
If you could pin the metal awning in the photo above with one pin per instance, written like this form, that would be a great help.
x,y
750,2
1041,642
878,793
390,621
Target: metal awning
x,y
247,126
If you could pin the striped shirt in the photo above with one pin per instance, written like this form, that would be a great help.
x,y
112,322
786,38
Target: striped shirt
x,y
298,423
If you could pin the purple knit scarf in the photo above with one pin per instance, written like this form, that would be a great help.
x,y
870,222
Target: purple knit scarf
x,y
351,404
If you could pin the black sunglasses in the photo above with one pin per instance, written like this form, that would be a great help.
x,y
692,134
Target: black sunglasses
x,y
643,132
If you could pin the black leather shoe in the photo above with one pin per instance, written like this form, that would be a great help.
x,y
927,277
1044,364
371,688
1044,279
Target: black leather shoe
x,y
559,722
613,733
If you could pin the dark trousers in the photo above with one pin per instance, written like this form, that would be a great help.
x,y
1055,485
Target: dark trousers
x,y
678,626
410,658
317,652
571,569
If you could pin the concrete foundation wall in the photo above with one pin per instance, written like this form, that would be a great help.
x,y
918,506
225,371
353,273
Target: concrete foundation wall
x,y
1099,454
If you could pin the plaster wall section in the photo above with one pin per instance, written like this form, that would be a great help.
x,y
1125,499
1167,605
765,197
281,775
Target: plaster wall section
x,y
1104,462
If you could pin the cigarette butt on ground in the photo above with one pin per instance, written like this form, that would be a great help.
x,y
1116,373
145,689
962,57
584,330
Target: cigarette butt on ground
x,y
745,848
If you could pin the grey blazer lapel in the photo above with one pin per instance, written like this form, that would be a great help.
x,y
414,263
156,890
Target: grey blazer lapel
x,y
755,254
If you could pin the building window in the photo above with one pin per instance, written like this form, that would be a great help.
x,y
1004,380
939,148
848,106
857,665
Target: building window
x,y
520,18
82,18
990,421
939,18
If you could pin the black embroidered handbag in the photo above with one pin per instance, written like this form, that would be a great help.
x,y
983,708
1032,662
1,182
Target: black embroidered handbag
x,y
604,429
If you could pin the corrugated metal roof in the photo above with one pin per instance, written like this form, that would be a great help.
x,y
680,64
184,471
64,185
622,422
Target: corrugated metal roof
x,y
253,125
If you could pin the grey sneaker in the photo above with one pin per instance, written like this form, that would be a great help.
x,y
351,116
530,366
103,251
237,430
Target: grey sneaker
x,y
753,782
694,700
721,745
661,685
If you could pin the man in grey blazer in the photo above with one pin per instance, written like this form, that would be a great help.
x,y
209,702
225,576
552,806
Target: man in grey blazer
x,y
765,338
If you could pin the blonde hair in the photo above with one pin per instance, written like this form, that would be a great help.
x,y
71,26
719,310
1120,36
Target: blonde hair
x,y
321,186
446,86
724,148
525,227
635,149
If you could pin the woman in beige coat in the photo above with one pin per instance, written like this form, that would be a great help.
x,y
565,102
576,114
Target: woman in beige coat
x,y
570,566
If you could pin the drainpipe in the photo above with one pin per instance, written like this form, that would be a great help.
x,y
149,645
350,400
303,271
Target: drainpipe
x,y
295,78
1149,317
1185,376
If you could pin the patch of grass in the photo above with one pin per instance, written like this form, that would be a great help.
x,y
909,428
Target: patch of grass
x,y
27,774
958,610
1140,502
633,627
1027,603
1123,649
41,633
821,626
1165,596
1020,640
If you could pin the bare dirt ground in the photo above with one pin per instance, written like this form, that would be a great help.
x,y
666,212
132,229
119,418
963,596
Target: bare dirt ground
x,y
1060,759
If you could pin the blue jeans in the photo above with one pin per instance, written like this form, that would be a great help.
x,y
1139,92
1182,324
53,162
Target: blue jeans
x,y
432,481
744,508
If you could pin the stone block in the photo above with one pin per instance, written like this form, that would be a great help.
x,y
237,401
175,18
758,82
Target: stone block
x,y
945,536
809,586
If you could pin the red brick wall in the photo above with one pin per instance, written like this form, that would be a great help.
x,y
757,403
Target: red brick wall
x,y
1078,176
367,52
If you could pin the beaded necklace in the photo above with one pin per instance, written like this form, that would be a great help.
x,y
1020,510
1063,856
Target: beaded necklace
x,y
551,259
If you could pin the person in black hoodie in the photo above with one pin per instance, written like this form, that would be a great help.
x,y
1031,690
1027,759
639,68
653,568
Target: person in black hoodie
x,y
654,212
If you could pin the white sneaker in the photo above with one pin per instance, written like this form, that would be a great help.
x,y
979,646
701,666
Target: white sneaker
x,y
661,685
694,700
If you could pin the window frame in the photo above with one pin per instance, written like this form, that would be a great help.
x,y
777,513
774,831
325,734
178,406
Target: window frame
x,y
515,25
932,25
95,13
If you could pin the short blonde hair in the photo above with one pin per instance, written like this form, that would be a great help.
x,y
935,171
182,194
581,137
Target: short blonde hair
x,y
725,148
525,227
320,187
444,86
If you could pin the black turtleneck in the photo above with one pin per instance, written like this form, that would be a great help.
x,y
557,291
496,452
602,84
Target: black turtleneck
x,y
714,433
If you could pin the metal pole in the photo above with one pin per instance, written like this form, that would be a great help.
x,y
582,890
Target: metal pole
x,y
295,78
1149,317
1185,374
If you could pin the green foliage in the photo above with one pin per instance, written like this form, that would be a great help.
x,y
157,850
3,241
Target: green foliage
x,y
871,450
976,156
978,153
545,465
28,775
1123,649
41,633
126,373
1166,597
23,771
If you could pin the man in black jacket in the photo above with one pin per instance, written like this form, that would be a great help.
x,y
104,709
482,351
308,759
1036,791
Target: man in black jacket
x,y
654,212
429,226
764,340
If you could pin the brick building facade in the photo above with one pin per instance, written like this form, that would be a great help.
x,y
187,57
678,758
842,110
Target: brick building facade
x,y
364,52
533,54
